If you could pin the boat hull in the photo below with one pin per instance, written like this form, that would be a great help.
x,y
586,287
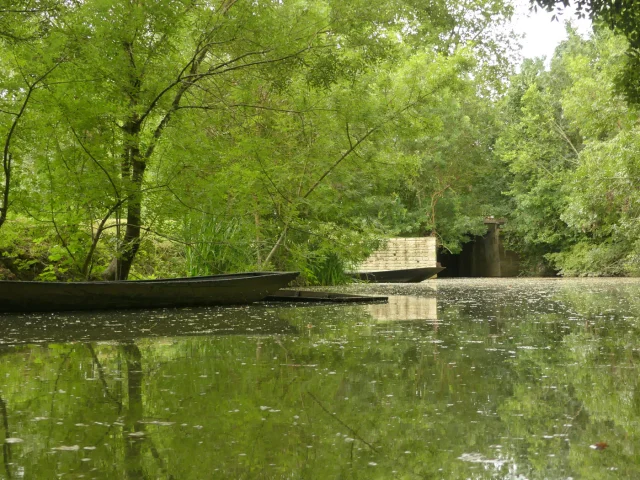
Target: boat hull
x,y
181,292
409,275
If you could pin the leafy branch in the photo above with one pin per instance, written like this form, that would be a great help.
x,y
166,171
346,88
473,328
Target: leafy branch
x,y
7,156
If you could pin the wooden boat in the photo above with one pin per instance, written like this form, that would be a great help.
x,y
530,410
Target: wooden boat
x,y
409,275
322,297
176,292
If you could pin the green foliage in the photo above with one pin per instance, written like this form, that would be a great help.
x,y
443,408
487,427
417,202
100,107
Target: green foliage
x,y
290,121
623,18
326,270
539,150
570,144
216,245
297,135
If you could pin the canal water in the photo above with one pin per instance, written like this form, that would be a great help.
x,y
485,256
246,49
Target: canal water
x,y
452,379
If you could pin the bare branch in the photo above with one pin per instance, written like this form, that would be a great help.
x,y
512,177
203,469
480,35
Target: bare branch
x,y
191,65
95,238
335,417
8,112
277,245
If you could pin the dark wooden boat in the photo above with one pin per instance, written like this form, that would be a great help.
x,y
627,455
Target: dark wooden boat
x,y
176,292
410,275
322,297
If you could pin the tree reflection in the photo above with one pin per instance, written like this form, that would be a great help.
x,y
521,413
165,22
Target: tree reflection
x,y
133,430
6,447
507,383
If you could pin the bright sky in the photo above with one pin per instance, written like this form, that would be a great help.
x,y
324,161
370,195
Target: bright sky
x,y
542,35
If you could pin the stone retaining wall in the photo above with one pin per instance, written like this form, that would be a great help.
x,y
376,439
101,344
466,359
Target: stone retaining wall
x,y
402,253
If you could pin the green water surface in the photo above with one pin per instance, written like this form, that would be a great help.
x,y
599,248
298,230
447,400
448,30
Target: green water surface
x,y
453,379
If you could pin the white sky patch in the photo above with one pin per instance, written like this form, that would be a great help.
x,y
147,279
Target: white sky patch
x,y
542,35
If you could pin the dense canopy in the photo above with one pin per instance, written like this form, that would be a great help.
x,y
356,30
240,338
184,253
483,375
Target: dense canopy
x,y
169,138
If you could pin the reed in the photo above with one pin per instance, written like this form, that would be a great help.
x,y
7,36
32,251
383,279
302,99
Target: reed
x,y
215,244
327,269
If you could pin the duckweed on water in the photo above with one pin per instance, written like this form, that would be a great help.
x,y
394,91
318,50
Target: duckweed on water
x,y
515,379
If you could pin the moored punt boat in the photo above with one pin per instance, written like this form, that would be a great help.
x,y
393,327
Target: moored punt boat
x,y
322,297
409,275
177,292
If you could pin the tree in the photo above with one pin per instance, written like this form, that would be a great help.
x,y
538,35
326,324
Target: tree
x,y
540,152
569,141
452,187
158,56
27,64
262,131
622,17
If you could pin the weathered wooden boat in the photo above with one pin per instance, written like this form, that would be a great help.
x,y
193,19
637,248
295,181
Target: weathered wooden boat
x,y
322,297
175,292
409,275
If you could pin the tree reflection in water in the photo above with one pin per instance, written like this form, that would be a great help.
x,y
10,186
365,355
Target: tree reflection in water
x,y
6,447
518,378
133,430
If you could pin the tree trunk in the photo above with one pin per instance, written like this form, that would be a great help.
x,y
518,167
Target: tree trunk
x,y
5,191
133,167
121,264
